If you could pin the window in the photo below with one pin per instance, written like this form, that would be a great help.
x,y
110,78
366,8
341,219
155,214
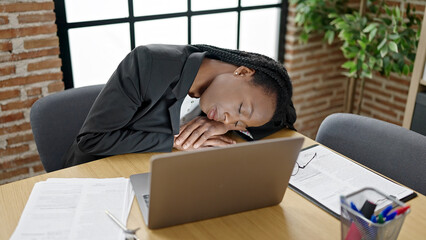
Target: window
x,y
96,35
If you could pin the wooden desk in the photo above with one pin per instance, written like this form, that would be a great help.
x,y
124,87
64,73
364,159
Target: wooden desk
x,y
294,218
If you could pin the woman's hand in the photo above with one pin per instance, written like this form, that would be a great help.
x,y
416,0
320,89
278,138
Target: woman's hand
x,y
213,141
202,132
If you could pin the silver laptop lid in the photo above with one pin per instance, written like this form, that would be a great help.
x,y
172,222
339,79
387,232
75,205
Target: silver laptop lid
x,y
212,182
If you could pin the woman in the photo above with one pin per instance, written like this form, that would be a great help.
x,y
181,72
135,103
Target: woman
x,y
139,108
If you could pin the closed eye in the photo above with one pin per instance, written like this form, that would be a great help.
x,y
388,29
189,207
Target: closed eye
x,y
239,112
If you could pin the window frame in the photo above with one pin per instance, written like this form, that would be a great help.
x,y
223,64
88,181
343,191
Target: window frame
x,y
64,26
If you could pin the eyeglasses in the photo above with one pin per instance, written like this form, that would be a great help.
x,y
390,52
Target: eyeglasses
x,y
297,166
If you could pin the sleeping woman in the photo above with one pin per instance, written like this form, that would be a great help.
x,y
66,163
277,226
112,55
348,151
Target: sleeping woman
x,y
186,97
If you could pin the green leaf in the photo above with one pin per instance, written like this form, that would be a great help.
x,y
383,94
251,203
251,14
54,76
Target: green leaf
x,y
394,36
382,44
298,18
349,65
406,69
387,21
398,12
372,61
332,15
370,27
304,37
348,74
358,65
366,73
387,10
352,72
362,44
329,35
372,34
380,63
392,46
395,68
350,55
347,35
384,51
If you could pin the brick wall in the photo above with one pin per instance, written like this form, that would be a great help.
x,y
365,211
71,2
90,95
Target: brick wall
x,y
29,70
319,86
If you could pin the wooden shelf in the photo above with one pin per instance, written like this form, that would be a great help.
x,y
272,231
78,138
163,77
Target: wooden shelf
x,y
417,83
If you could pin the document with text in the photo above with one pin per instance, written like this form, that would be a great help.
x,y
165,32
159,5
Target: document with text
x,y
323,176
74,208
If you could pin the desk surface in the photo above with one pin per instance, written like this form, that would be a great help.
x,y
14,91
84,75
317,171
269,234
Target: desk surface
x,y
294,218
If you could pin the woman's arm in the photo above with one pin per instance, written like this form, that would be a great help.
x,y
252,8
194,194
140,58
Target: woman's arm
x,y
124,141
104,131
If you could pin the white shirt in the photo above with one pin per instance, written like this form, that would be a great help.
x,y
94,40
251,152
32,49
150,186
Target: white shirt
x,y
189,110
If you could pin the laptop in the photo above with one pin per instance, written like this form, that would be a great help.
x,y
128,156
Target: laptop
x,y
211,182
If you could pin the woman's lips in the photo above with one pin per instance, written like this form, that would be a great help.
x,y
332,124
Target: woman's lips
x,y
212,113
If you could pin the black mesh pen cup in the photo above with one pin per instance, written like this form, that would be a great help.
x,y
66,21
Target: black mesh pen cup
x,y
384,220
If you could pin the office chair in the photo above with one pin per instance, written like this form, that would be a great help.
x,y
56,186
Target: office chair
x,y
391,150
56,120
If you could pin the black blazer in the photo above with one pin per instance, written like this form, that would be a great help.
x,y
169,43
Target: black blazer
x,y
139,108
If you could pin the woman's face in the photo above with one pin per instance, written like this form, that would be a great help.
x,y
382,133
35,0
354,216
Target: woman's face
x,y
234,99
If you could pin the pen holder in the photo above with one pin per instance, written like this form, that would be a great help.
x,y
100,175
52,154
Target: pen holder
x,y
355,226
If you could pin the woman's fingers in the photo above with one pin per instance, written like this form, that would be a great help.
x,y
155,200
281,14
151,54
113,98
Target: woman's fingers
x,y
203,133
187,129
183,127
213,141
218,141
196,132
215,138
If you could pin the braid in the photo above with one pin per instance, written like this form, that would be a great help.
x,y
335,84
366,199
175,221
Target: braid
x,y
268,73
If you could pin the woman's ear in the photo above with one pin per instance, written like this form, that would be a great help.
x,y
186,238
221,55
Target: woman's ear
x,y
244,71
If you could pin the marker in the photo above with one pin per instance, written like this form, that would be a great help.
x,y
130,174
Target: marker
x,y
391,216
402,210
354,207
373,219
386,210
380,219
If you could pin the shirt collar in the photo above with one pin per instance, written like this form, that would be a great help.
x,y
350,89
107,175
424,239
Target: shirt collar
x,y
189,72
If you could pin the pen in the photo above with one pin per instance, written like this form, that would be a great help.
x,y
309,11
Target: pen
x,y
402,210
373,219
390,216
354,207
380,219
386,210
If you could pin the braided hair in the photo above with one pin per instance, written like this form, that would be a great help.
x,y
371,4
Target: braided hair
x,y
269,74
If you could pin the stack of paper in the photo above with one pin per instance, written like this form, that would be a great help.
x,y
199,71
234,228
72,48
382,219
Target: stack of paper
x,y
74,208
323,176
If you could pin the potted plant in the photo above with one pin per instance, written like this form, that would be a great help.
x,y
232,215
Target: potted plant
x,y
375,38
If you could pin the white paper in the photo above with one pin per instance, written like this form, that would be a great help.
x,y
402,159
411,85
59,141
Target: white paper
x,y
329,175
74,208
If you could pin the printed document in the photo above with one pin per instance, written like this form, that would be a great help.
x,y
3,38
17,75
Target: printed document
x,y
74,208
324,176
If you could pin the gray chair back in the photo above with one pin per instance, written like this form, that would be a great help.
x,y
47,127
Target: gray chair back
x,y
391,150
56,120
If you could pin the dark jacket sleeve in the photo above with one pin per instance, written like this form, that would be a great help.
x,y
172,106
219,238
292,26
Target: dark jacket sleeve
x,y
106,131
